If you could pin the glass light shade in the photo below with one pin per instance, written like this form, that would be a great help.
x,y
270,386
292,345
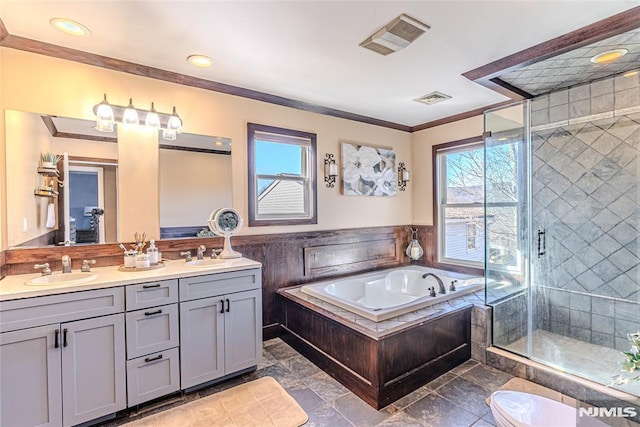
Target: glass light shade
x,y
130,115
174,123
104,116
152,120
169,135
414,250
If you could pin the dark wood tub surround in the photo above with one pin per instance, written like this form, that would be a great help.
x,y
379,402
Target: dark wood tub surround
x,y
380,368
288,259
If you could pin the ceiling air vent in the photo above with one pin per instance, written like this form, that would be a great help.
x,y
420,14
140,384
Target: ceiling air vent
x,y
432,98
396,35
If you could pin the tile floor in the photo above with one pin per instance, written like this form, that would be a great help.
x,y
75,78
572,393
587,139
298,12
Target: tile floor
x,y
455,399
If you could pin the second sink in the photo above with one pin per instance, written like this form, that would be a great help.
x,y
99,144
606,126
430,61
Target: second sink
x,y
62,279
207,262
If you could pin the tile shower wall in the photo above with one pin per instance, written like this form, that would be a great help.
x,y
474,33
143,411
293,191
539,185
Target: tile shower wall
x,y
586,196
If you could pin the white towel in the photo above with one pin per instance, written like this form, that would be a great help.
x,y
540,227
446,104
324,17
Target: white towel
x,y
51,215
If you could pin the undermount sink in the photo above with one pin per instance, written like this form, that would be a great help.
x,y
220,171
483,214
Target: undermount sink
x,y
62,279
207,262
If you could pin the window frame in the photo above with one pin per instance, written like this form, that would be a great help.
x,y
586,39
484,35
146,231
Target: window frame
x,y
438,209
308,175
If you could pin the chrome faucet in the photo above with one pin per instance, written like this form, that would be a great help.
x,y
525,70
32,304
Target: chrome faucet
x,y
187,255
439,280
201,251
66,264
46,271
86,267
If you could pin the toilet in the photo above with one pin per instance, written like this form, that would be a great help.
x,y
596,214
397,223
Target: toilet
x,y
518,409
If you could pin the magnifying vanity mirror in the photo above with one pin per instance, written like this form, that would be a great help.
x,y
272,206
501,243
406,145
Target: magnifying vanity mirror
x,y
82,206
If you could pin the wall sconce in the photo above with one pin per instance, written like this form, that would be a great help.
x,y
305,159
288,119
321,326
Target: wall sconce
x,y
330,170
403,176
414,250
108,114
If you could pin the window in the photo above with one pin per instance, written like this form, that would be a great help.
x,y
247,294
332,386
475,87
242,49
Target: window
x,y
460,184
471,236
282,176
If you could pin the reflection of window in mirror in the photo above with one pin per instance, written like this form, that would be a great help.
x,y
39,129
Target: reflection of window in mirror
x,y
282,176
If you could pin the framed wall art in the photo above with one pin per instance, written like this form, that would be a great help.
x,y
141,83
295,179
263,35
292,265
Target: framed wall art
x,y
368,171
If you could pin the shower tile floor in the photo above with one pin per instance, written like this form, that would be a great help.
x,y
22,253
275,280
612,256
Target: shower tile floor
x,y
456,398
591,361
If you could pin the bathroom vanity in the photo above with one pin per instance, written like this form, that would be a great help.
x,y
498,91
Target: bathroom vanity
x,y
76,352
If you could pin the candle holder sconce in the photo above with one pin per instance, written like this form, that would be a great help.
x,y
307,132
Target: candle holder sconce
x,y
403,176
330,170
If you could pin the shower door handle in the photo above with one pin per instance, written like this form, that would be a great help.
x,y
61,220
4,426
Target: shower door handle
x,y
542,243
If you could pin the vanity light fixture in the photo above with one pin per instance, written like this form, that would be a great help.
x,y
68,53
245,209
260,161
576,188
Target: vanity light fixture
x,y
200,61
152,120
609,56
403,176
130,115
175,123
107,114
69,27
330,170
104,116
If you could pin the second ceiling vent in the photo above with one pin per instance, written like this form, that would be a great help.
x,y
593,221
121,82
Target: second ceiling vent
x,y
396,35
432,98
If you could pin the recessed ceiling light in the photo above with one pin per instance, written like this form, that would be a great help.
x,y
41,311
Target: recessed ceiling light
x,y
631,73
609,56
199,61
70,27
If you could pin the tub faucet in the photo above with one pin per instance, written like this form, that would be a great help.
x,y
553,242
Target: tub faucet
x,y
439,280
201,250
66,264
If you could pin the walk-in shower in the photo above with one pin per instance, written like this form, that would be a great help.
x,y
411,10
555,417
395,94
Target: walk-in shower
x,y
562,201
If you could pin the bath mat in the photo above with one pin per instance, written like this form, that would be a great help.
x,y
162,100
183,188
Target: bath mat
x,y
262,402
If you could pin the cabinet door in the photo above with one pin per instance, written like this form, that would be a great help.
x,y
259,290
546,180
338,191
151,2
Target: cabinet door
x,y
30,388
243,330
93,368
201,341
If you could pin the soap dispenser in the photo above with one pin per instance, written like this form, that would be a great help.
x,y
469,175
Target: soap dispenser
x,y
152,251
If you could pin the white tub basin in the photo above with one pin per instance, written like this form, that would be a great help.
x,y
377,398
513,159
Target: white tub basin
x,y
203,263
62,279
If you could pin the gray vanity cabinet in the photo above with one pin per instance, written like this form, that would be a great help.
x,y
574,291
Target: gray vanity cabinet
x,y
152,340
31,381
93,368
220,325
60,365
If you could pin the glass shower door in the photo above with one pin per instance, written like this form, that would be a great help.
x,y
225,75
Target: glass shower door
x,y
506,228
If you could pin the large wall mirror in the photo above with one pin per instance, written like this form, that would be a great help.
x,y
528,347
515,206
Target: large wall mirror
x,y
77,201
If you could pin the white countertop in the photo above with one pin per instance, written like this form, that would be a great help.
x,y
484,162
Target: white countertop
x,y
14,287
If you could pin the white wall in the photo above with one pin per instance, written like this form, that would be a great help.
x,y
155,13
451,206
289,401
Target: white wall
x,y
42,84
422,173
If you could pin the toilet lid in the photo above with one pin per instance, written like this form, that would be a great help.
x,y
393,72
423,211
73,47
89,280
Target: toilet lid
x,y
528,410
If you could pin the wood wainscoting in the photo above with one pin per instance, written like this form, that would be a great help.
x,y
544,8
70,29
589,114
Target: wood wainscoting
x,y
380,370
287,259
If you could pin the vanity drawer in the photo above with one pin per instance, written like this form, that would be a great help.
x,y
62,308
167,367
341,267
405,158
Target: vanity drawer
x,y
39,311
152,330
153,376
219,284
151,294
